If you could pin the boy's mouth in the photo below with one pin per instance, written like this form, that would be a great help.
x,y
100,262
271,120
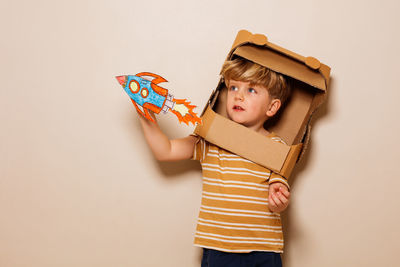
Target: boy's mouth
x,y
238,108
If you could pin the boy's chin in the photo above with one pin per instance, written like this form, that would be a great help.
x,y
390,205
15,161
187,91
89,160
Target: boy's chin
x,y
243,122
239,121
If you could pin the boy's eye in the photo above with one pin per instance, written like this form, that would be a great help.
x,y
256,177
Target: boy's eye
x,y
233,88
252,90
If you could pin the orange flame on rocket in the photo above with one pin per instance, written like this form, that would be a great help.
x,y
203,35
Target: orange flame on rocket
x,y
187,117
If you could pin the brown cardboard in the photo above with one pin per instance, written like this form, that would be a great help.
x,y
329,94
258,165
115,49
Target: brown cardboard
x,y
309,88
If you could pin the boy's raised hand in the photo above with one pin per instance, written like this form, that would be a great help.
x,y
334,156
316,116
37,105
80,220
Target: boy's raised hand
x,y
278,198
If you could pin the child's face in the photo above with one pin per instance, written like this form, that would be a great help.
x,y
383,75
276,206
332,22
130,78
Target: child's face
x,y
248,105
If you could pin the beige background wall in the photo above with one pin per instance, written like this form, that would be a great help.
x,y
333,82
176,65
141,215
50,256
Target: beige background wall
x,y
78,185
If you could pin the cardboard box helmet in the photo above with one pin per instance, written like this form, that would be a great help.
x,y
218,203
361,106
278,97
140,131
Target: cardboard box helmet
x,y
309,83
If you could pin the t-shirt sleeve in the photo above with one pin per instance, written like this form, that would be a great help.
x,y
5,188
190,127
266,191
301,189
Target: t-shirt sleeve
x,y
199,150
278,178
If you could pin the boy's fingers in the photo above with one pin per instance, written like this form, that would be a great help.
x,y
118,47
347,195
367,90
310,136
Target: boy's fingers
x,y
284,190
276,200
284,199
272,204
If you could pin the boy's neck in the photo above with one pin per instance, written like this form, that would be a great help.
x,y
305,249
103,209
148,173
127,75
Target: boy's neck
x,y
259,129
263,132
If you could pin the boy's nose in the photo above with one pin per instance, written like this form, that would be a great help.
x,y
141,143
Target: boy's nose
x,y
239,95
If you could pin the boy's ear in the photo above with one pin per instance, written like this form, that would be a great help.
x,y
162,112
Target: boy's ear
x,y
273,107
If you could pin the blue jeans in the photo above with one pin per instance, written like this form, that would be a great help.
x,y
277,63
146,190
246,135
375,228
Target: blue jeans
x,y
214,258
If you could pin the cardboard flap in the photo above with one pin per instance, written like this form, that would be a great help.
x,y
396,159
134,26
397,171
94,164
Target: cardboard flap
x,y
237,141
244,36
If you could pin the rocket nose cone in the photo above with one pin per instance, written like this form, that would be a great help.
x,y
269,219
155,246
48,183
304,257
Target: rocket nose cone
x,y
121,80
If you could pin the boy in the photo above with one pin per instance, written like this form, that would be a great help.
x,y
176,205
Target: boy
x,y
239,222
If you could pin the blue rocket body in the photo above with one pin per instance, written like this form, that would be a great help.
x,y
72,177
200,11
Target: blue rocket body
x,y
144,93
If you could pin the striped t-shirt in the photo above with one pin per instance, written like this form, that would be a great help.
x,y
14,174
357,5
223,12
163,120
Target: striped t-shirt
x,y
234,214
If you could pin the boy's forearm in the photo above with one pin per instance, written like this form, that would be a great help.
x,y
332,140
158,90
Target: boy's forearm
x,y
159,143
162,147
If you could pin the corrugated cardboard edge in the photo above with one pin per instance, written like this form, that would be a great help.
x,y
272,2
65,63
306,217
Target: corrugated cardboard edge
x,y
291,160
318,100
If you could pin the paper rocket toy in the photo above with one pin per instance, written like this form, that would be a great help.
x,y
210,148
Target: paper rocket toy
x,y
146,95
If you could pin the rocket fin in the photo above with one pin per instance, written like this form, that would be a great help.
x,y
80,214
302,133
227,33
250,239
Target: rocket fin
x,y
142,111
148,116
138,108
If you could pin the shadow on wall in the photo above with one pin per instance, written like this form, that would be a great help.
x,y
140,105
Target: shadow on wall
x,y
173,169
291,231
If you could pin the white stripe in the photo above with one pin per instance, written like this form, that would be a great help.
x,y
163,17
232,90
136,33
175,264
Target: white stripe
x,y
242,242
277,179
235,196
238,210
240,237
235,200
222,158
240,228
264,174
224,154
242,224
266,186
236,186
239,173
238,214
228,157
278,139
235,250
243,173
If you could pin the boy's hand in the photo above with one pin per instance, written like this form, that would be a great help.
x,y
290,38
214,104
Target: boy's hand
x,y
278,197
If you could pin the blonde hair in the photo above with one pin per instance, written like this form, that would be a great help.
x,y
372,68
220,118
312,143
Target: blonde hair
x,y
240,69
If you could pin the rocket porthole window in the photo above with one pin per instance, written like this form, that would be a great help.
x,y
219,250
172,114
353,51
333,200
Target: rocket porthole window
x,y
134,86
144,92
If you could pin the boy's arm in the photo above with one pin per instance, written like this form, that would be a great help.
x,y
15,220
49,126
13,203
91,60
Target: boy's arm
x,y
162,147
